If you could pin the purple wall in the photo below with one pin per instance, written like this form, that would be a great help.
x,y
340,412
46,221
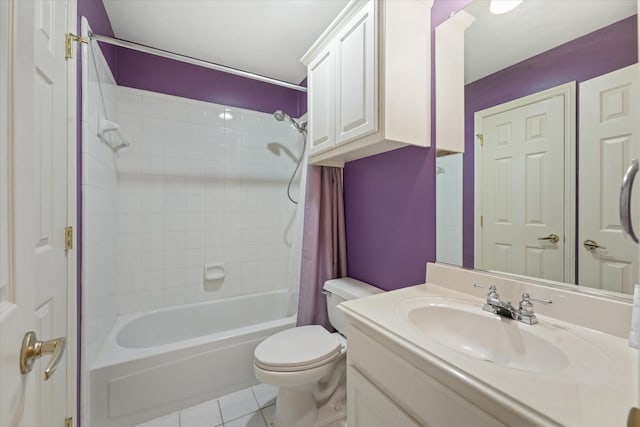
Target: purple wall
x,y
390,198
302,99
99,22
149,72
584,58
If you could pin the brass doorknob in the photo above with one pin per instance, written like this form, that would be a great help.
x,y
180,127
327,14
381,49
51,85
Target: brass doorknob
x,y
32,349
633,419
552,238
592,245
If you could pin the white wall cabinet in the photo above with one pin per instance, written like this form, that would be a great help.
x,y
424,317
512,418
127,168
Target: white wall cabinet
x,y
369,81
356,77
321,81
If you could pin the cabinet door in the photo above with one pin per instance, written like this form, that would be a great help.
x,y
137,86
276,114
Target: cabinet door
x,y
322,73
369,407
356,46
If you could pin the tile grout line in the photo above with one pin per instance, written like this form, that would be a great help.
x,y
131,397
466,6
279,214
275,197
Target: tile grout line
x,y
220,412
259,407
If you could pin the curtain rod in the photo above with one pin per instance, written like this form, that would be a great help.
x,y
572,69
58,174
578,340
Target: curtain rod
x,y
194,61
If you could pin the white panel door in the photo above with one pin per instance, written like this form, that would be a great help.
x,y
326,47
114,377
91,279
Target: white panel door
x,y
523,190
608,141
33,295
356,81
322,76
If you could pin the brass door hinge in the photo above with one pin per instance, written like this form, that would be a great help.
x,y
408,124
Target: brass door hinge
x,y
68,422
481,221
481,138
69,38
68,238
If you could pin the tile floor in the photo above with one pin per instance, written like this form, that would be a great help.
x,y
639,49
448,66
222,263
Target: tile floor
x,y
251,407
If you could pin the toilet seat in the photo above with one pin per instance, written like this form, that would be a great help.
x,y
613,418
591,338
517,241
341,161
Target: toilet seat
x,y
298,349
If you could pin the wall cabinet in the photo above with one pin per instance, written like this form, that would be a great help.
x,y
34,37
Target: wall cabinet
x,y
321,78
369,81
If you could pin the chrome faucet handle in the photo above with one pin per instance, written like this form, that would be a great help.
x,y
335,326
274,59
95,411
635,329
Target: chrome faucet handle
x,y
544,301
526,306
492,288
492,297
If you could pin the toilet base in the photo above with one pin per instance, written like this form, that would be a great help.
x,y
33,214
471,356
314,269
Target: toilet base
x,y
299,408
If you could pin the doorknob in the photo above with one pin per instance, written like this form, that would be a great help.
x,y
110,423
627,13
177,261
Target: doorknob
x,y
592,245
551,238
633,419
625,200
32,349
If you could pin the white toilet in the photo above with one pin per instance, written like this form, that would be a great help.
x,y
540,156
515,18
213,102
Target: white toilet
x,y
308,364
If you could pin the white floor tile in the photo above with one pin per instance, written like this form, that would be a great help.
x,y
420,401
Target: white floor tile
x,y
268,414
251,420
238,404
265,394
204,415
171,420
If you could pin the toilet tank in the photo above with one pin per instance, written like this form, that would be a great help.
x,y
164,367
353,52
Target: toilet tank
x,y
344,289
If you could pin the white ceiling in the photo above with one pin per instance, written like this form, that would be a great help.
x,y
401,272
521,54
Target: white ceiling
x,y
266,37
494,42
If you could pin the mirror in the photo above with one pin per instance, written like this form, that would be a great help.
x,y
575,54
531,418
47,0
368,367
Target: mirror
x,y
551,105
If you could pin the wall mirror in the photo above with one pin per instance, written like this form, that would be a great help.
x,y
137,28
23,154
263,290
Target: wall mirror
x,y
550,127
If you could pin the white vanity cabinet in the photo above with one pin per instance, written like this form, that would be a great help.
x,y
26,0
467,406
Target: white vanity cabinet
x,y
369,81
391,383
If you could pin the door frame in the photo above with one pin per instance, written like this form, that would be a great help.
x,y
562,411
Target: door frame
x,y
568,90
72,218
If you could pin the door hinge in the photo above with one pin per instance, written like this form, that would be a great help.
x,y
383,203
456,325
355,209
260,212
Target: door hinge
x,y
68,422
68,238
69,38
481,221
481,138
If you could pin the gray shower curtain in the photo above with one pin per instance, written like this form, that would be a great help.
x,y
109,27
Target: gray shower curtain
x,y
324,249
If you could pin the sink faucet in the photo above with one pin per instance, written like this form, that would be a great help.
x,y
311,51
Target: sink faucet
x,y
524,313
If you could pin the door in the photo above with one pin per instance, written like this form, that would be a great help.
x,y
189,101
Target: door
x,y
356,81
608,142
522,175
33,187
322,98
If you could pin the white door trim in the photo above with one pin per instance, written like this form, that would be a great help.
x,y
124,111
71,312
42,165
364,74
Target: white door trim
x,y
72,206
568,90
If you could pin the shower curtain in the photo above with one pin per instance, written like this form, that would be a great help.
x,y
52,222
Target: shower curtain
x,y
324,250
295,255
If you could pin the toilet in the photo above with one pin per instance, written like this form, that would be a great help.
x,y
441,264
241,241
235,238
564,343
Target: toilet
x,y
308,363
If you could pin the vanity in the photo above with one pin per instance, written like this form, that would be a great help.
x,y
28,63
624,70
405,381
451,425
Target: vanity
x,y
430,355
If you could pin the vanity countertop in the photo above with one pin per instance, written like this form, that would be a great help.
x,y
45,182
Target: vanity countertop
x,y
595,383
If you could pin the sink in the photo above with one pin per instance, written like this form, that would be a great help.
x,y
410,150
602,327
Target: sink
x,y
465,328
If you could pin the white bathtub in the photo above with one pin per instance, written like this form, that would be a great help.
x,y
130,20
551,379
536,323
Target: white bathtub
x,y
162,361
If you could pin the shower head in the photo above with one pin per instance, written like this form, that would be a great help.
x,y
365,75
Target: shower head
x,y
281,116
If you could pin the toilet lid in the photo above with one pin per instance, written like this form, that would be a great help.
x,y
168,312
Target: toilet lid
x,y
298,348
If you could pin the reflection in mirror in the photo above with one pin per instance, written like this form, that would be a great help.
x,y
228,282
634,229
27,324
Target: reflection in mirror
x,y
550,127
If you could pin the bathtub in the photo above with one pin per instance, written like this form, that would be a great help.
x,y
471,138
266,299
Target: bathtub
x,y
159,362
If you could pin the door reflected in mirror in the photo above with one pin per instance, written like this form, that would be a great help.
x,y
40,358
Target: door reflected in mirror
x,y
551,117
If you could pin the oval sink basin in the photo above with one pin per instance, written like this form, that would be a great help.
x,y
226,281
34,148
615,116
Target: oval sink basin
x,y
467,329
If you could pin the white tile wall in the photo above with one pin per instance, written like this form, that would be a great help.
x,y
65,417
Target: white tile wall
x,y
99,209
449,209
194,188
